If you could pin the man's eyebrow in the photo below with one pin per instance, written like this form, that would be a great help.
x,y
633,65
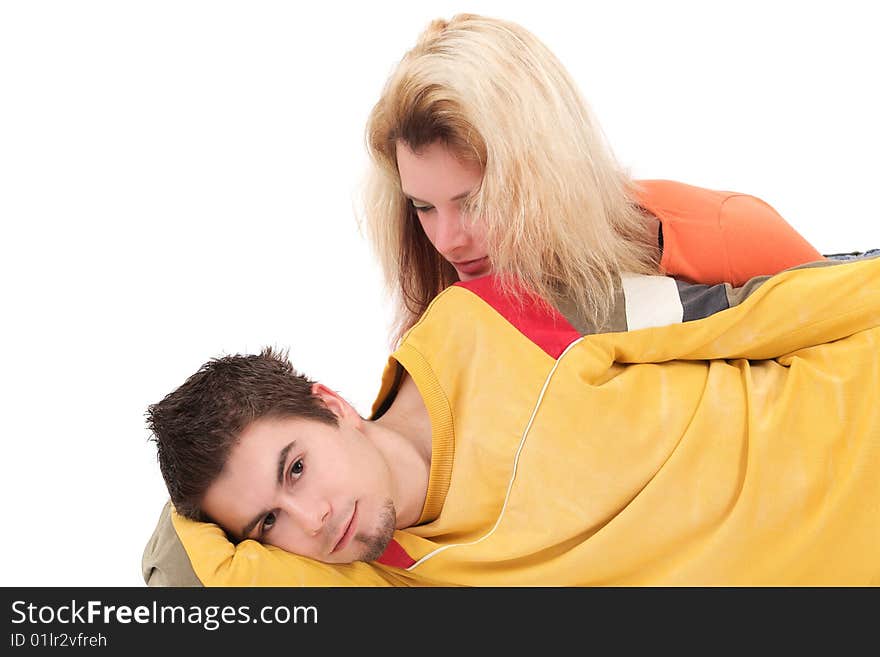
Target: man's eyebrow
x,y
282,460
457,197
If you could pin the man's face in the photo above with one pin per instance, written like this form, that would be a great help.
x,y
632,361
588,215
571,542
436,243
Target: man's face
x,y
307,487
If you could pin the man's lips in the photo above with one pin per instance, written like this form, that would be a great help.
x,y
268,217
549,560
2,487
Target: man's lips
x,y
347,532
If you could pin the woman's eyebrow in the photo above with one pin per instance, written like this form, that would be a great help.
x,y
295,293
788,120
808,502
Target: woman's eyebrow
x,y
457,197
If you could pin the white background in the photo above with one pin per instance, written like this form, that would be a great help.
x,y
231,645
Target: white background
x,y
178,180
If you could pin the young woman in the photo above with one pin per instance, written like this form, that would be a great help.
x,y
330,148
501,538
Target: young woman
x,y
486,159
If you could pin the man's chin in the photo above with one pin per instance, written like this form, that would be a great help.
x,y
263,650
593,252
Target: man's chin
x,y
374,545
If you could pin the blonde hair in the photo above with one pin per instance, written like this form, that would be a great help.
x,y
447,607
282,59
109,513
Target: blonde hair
x,y
559,212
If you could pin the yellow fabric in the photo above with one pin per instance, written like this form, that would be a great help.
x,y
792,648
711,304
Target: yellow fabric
x,y
657,457
442,431
217,562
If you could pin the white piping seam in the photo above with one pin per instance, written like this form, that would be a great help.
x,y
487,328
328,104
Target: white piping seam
x,y
522,443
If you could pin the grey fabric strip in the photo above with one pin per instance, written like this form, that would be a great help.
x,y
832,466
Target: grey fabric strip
x,y
698,301
165,561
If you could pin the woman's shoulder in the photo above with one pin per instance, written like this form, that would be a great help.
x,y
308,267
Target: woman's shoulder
x,y
714,236
671,198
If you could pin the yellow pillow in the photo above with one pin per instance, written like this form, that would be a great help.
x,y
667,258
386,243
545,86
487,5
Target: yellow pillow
x,y
182,552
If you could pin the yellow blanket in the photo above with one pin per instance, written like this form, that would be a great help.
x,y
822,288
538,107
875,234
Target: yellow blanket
x,y
740,449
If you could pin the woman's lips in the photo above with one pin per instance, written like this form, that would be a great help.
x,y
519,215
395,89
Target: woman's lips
x,y
345,539
473,267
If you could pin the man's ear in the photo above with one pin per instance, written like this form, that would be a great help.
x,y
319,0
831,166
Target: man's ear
x,y
336,404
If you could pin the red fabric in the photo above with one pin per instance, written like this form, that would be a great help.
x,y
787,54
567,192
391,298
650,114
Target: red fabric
x,y
395,556
539,322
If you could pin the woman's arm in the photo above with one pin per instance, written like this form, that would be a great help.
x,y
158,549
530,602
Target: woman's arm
x,y
711,236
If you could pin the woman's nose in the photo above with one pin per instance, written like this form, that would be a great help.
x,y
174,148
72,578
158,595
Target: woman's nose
x,y
450,234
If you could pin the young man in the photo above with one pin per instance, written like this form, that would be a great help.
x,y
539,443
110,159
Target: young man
x,y
259,449
506,450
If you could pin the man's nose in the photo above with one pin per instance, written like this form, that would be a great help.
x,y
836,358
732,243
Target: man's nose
x,y
310,513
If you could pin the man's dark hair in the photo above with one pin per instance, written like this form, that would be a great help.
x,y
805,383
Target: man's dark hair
x,y
196,426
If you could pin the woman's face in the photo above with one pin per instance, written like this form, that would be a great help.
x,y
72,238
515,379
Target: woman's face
x,y
436,183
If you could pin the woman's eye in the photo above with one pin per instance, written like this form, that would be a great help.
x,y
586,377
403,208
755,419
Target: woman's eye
x,y
296,469
268,521
421,208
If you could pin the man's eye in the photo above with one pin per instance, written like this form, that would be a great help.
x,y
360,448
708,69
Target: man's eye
x,y
296,469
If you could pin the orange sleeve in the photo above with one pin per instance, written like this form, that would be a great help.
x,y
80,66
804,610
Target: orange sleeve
x,y
716,237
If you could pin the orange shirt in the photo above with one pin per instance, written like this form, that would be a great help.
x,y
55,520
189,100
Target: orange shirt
x,y
716,237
